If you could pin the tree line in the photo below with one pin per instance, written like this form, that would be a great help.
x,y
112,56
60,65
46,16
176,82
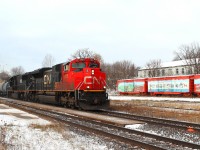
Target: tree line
x,y
125,68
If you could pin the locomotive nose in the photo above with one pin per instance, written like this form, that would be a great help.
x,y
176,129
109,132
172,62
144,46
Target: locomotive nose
x,y
94,79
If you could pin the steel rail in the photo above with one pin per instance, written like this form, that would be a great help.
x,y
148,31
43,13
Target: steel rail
x,y
153,120
55,116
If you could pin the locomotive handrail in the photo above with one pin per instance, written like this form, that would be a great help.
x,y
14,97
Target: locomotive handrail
x,y
78,87
29,86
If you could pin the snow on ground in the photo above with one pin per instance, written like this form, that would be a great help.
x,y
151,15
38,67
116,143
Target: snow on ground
x,y
153,98
134,126
20,130
15,117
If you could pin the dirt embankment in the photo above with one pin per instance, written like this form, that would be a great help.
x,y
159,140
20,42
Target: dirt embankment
x,y
175,110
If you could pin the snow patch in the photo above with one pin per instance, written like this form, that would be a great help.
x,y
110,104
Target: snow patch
x,y
134,126
15,117
129,98
21,130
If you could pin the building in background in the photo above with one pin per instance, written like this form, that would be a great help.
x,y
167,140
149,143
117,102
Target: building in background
x,y
167,69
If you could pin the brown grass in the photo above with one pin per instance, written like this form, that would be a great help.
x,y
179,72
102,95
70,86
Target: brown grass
x,y
56,127
182,111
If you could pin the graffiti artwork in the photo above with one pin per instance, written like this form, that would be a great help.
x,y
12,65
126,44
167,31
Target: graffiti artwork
x,y
131,87
169,86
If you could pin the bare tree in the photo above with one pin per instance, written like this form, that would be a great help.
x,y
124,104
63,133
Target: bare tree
x,y
48,61
119,70
98,57
153,67
86,53
4,76
190,54
17,70
83,53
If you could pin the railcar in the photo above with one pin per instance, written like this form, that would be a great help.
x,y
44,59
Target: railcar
x,y
132,86
188,85
3,88
171,85
197,85
78,83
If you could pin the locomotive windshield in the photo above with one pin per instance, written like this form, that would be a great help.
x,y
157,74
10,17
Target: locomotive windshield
x,y
79,65
93,65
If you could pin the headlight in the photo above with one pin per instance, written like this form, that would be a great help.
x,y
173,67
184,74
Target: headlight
x,y
92,72
88,87
104,87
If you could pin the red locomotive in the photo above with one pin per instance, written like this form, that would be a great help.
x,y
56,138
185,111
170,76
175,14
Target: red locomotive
x,y
188,85
78,83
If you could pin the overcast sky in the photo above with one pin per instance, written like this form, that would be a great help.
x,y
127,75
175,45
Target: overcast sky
x,y
135,30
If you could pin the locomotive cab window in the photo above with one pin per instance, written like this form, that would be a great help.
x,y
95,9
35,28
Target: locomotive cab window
x,y
93,65
47,79
66,67
78,65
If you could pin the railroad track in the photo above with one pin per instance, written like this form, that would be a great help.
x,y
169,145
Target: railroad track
x,y
129,137
157,121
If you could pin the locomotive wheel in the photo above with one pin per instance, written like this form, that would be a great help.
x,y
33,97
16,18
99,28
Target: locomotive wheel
x,y
37,100
30,97
65,104
79,108
72,106
26,97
